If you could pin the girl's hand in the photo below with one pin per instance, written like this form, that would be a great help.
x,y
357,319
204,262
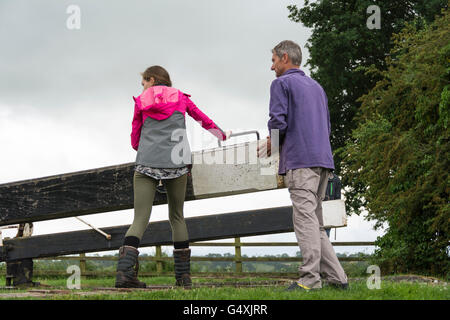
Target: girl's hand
x,y
228,134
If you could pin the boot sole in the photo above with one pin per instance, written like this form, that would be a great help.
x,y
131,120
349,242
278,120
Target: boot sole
x,y
125,285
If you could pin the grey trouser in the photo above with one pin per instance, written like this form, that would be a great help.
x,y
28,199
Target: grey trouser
x,y
144,194
307,188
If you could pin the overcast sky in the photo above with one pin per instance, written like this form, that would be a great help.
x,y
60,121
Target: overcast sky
x,y
66,94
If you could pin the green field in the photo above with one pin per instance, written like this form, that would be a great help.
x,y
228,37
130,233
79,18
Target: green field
x,y
390,290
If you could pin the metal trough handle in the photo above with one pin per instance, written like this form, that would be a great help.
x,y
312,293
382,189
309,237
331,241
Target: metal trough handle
x,y
241,134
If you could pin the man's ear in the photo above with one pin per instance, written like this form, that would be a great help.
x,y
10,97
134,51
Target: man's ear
x,y
285,58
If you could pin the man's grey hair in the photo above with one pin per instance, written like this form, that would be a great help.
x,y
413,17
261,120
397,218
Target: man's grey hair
x,y
291,48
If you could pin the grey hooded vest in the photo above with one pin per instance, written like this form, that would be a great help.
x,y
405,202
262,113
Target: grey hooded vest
x,y
164,143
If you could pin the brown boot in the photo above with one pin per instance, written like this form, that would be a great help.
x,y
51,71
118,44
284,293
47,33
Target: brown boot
x,y
128,268
182,259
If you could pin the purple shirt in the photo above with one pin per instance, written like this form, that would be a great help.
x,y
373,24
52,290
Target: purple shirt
x,y
299,110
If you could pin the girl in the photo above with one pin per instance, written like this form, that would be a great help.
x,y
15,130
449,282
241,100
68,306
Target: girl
x,y
163,153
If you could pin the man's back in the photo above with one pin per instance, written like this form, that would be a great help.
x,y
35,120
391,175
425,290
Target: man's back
x,y
298,108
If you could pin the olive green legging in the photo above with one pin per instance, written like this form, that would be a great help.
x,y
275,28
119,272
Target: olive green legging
x,y
144,194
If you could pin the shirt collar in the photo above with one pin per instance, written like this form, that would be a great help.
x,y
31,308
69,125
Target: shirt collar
x,y
293,70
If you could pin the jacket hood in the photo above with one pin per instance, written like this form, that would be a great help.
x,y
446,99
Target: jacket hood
x,y
158,98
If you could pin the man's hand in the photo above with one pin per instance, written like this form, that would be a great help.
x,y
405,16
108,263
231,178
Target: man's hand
x,y
265,149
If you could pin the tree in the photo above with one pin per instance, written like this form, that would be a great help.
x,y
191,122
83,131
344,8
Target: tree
x,y
400,150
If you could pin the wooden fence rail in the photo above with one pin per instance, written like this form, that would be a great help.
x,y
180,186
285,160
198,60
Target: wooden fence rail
x,y
110,188
238,259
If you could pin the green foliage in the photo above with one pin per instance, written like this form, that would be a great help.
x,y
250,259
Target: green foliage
x,y
397,162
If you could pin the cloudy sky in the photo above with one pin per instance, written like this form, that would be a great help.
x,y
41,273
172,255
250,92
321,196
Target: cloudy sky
x,y
66,94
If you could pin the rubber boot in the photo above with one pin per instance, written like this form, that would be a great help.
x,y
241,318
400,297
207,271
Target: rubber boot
x,y
182,259
128,268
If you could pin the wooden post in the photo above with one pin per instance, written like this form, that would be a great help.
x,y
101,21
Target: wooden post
x,y
158,255
82,263
238,257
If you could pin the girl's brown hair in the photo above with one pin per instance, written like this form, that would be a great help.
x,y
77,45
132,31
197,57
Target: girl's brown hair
x,y
160,75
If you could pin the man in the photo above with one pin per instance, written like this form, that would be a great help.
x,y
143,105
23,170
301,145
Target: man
x,y
299,111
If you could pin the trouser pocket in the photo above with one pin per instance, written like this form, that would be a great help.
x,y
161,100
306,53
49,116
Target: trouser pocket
x,y
305,179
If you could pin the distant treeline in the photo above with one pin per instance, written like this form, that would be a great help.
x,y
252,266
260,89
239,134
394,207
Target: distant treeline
x,y
352,268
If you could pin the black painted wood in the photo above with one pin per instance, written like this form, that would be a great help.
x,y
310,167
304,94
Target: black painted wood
x,y
73,194
212,227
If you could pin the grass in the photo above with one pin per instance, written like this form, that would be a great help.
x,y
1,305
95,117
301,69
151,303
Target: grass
x,y
390,290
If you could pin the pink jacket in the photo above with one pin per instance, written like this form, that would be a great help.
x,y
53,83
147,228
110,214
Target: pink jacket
x,y
159,103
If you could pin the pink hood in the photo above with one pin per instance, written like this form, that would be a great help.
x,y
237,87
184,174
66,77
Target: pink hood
x,y
160,102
